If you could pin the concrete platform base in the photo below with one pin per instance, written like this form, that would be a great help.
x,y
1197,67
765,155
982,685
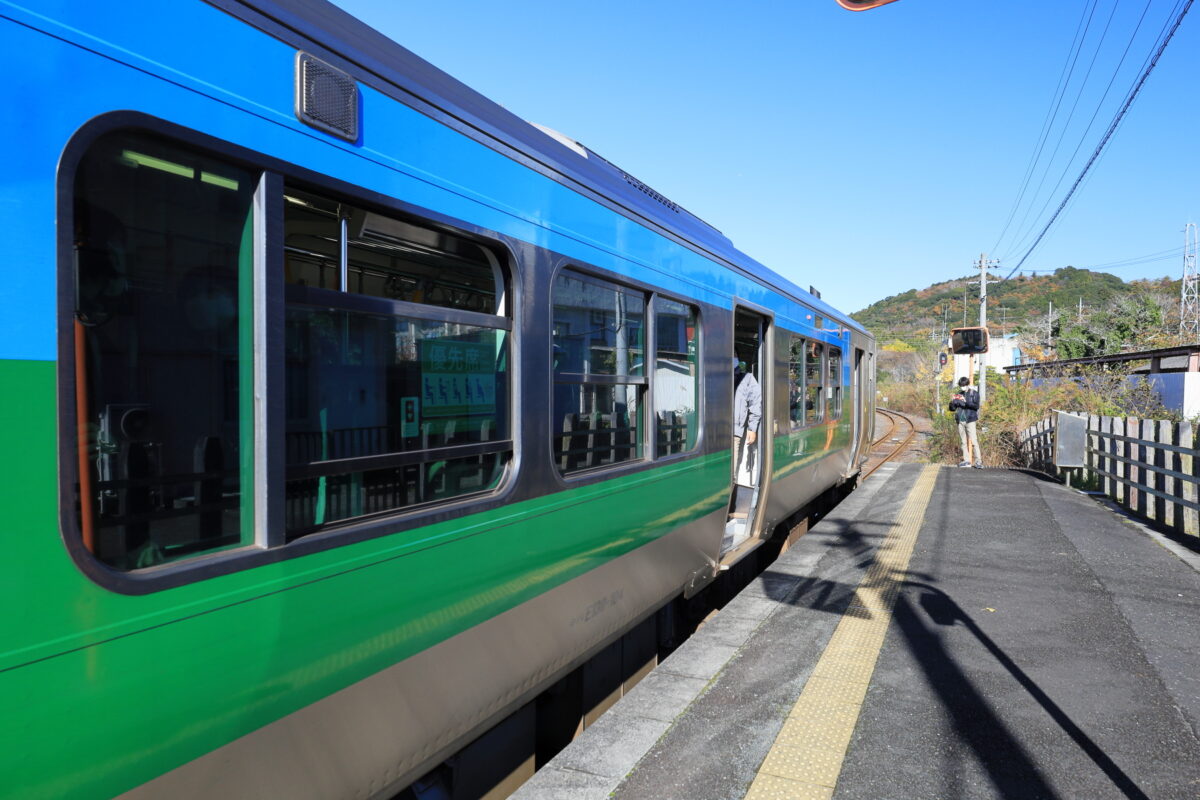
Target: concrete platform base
x,y
1038,645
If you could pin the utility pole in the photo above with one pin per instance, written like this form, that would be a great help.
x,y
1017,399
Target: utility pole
x,y
1189,299
983,265
1079,318
1049,329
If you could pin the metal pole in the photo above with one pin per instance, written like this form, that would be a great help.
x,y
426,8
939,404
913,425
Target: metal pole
x,y
1049,327
983,265
1189,291
344,254
937,381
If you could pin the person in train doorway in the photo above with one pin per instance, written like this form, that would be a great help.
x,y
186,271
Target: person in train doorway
x,y
965,406
747,413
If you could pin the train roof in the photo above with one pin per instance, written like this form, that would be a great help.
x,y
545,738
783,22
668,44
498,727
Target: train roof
x,y
332,33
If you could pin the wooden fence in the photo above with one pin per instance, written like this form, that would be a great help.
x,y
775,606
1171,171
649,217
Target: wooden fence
x,y
1148,466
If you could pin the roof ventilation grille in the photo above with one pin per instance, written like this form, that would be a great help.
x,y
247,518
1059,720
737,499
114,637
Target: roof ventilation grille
x,y
635,183
326,98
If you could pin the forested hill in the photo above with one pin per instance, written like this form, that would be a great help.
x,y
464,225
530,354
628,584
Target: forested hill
x,y
1020,303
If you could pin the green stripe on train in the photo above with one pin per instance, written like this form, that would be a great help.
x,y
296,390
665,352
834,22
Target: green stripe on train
x,y
104,691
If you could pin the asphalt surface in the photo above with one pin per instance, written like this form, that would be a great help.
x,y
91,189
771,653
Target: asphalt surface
x,y
1041,647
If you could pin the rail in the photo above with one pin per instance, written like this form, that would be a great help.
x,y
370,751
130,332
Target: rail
x,y
1148,466
878,459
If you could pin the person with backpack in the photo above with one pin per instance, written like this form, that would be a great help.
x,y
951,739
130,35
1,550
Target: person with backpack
x,y
965,406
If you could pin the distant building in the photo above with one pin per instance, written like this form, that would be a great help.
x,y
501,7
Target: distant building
x,y
1173,372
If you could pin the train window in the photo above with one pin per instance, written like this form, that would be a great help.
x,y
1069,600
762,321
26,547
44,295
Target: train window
x,y
163,269
833,391
814,409
599,376
396,365
676,376
796,401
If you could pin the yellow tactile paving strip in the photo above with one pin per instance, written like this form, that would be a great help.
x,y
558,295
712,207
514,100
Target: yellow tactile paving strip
x,y
806,758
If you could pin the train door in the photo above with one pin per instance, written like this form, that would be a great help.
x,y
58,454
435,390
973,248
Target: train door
x,y
870,397
857,387
751,426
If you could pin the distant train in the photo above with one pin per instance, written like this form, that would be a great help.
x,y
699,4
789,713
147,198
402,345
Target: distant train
x,y
351,411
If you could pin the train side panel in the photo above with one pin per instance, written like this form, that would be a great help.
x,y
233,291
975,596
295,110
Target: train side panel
x,y
360,652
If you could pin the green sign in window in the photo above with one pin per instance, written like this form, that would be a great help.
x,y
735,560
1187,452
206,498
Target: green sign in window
x,y
457,378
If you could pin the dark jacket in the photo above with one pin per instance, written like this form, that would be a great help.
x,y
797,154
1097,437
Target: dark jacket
x,y
966,409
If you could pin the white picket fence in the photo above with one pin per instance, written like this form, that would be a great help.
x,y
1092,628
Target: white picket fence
x,y
1148,466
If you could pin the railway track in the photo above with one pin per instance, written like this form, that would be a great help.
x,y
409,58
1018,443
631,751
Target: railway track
x,y
894,441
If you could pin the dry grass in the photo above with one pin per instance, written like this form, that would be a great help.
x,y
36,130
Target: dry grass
x,y
1012,407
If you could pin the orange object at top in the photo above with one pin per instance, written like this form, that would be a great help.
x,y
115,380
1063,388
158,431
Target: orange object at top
x,y
862,5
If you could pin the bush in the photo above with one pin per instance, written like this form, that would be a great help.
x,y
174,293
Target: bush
x,y
1013,406
907,397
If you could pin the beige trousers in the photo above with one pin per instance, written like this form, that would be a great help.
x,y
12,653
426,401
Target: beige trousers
x,y
966,433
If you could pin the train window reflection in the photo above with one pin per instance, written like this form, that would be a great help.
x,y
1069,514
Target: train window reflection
x,y
163,255
814,397
607,431
598,327
833,391
388,406
385,257
796,395
676,376
598,342
367,390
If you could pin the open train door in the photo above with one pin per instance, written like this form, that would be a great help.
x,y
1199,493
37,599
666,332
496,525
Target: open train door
x,y
857,388
751,453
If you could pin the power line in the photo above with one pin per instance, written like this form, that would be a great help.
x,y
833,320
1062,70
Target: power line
x,y
1112,128
1060,91
1071,116
1099,105
1127,263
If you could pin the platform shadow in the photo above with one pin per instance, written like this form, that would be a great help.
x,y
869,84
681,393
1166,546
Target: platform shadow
x,y
822,594
1008,763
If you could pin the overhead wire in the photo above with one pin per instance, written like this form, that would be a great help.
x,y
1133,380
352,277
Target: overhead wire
x,y
1170,252
1083,85
1025,237
1022,241
1064,79
1112,128
1088,129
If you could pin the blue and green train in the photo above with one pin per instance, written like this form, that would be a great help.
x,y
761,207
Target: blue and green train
x,y
351,412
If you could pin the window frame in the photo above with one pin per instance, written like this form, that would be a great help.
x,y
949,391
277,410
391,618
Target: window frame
x,y
646,396
652,337
268,540
650,456
821,367
798,378
72,427
345,299
835,388
823,412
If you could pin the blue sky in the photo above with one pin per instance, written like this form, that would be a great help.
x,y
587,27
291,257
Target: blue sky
x,y
862,153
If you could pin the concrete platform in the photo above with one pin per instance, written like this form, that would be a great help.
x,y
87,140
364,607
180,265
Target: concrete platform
x,y
1029,643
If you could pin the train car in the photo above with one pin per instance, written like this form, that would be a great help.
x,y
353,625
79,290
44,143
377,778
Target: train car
x,y
351,411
